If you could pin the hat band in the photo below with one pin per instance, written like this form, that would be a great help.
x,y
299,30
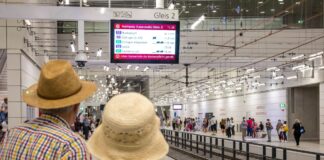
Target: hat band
x,y
61,97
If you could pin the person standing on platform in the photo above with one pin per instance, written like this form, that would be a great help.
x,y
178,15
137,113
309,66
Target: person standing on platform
x,y
57,94
249,127
269,128
86,127
233,126
286,129
4,111
261,126
278,126
243,128
228,128
297,131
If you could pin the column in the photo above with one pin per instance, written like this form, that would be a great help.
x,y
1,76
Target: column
x,y
321,116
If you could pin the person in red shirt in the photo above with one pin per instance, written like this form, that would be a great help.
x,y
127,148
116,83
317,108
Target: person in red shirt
x,y
249,127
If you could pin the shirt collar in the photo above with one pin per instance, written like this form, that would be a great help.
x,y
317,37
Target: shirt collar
x,y
55,119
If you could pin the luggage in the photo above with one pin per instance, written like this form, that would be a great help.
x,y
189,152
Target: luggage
x,y
263,135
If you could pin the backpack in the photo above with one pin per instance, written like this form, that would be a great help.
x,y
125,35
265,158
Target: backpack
x,y
286,128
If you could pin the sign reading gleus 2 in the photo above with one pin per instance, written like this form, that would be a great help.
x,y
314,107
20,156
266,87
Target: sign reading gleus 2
x,y
134,41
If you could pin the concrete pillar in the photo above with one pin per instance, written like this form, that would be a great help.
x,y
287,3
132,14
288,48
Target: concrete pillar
x,y
321,116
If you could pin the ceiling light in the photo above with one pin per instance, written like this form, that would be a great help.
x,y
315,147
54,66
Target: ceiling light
x,y
250,70
99,52
194,25
119,69
238,88
102,10
136,68
198,4
171,6
145,69
67,2
298,67
260,2
187,12
72,47
322,67
124,81
279,77
128,66
214,11
222,82
271,68
313,58
85,1
281,3
262,12
73,35
291,77
316,54
27,22
261,84
298,57
177,3
280,0
107,69
256,77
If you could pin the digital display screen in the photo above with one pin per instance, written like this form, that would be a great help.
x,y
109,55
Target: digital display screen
x,y
177,107
135,41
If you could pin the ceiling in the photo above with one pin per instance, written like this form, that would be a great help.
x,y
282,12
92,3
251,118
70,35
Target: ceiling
x,y
264,35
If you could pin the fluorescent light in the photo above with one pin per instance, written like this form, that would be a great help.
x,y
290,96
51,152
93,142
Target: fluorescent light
x,y
146,68
124,81
313,58
261,84
99,52
291,77
136,68
316,54
85,1
238,88
72,47
194,25
250,70
87,48
67,2
171,6
214,11
278,77
198,4
260,2
271,68
298,57
119,69
256,77
102,10
262,12
28,23
222,82
128,66
298,67
107,69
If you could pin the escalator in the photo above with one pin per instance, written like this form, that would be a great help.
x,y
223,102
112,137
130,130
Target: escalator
x,y
3,70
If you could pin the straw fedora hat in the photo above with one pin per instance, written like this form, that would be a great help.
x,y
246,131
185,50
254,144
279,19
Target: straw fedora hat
x,y
130,130
58,86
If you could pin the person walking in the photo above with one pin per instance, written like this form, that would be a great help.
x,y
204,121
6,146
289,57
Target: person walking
x,y
269,128
86,127
297,131
249,127
278,126
285,132
243,128
57,94
131,135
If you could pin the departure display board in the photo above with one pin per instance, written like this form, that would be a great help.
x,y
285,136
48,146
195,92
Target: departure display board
x,y
134,41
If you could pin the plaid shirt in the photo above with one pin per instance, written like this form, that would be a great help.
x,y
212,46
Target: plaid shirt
x,y
47,137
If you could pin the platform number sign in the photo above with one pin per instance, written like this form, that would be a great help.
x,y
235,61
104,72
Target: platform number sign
x,y
283,106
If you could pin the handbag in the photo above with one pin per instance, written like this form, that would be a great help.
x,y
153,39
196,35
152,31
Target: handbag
x,y
302,130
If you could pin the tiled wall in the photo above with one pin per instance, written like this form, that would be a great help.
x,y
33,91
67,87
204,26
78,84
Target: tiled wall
x,y
321,118
21,74
260,106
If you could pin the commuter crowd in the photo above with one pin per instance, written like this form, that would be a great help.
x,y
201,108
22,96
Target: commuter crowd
x,y
129,129
248,127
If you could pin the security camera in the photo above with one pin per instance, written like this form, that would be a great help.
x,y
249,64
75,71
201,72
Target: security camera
x,y
81,59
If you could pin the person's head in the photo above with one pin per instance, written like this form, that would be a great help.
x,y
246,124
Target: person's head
x,y
5,100
279,120
268,120
231,118
260,122
228,119
285,122
243,118
130,129
249,118
59,90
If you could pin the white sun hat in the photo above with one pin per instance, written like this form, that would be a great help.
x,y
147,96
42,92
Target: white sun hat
x,y
130,130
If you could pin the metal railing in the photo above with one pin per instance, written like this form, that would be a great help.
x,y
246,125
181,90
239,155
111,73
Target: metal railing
x,y
210,146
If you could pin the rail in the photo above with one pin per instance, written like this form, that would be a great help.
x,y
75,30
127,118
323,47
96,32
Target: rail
x,y
210,145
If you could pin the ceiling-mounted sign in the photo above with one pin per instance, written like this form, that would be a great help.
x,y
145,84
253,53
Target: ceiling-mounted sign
x,y
19,11
283,106
135,41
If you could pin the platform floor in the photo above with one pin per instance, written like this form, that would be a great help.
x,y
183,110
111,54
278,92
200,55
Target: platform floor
x,y
304,145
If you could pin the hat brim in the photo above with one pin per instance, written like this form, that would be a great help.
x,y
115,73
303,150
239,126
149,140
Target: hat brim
x,y
102,149
31,97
